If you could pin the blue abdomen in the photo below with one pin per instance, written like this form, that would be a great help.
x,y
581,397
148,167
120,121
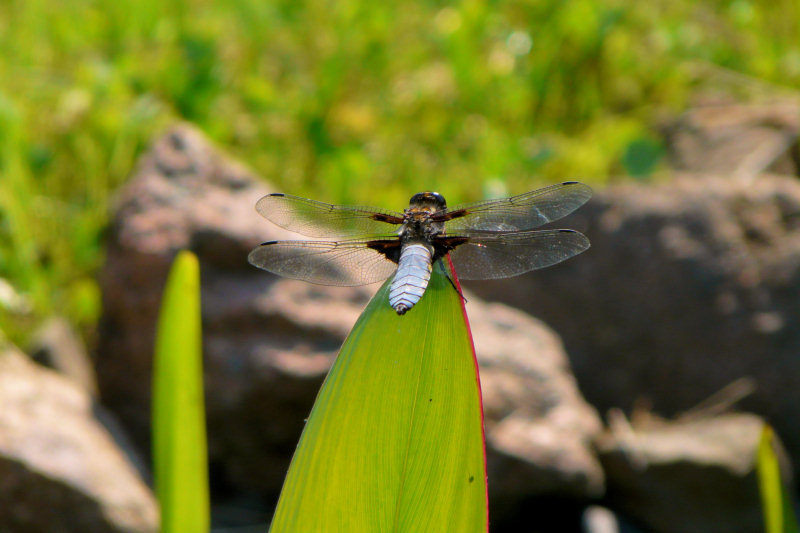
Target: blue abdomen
x,y
411,278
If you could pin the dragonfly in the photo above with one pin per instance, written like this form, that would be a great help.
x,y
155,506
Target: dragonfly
x,y
489,239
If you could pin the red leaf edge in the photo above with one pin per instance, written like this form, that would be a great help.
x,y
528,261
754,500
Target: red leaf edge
x,y
478,382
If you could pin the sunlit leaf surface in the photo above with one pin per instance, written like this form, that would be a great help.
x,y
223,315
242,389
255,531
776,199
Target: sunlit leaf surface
x,y
394,442
179,434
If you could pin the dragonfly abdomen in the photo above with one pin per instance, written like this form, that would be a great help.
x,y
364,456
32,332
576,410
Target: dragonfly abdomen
x,y
411,279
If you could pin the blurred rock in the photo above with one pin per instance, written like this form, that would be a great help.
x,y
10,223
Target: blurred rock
x,y
688,476
597,519
268,342
56,345
737,140
184,196
60,471
689,285
539,430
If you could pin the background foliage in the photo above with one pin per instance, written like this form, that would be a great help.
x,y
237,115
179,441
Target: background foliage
x,y
350,101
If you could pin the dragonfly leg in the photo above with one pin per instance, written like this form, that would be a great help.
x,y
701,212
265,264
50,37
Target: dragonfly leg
x,y
452,283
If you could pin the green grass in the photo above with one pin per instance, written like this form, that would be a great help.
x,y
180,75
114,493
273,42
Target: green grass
x,y
350,101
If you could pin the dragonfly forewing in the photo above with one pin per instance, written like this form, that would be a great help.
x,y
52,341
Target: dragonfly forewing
x,y
318,219
522,212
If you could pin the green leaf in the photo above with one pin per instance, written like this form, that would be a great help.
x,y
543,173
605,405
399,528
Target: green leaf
x,y
179,434
775,501
394,442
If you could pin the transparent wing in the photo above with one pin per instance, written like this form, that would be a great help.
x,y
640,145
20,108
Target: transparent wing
x,y
503,255
318,219
344,263
523,212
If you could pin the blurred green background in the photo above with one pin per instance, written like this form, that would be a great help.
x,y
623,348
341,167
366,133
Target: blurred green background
x,y
347,101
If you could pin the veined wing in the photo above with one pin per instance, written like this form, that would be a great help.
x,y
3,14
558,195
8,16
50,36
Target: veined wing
x,y
518,213
493,255
318,219
344,263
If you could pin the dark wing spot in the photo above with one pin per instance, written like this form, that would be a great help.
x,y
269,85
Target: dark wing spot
x,y
381,217
389,248
449,215
442,244
449,242
276,194
268,243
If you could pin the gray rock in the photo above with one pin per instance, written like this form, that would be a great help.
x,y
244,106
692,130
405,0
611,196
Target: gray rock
x,y
56,345
60,471
689,476
597,519
268,342
539,430
690,284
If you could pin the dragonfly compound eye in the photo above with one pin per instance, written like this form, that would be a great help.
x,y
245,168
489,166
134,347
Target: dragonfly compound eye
x,y
433,199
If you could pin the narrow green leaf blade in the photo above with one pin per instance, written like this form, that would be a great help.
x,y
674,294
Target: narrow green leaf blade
x,y
179,434
775,501
394,442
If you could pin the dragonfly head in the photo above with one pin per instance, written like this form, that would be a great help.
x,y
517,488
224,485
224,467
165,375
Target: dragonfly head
x,y
428,199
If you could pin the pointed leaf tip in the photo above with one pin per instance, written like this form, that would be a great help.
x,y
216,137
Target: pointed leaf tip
x,y
394,441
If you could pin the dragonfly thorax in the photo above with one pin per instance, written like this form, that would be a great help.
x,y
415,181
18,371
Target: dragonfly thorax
x,y
418,225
